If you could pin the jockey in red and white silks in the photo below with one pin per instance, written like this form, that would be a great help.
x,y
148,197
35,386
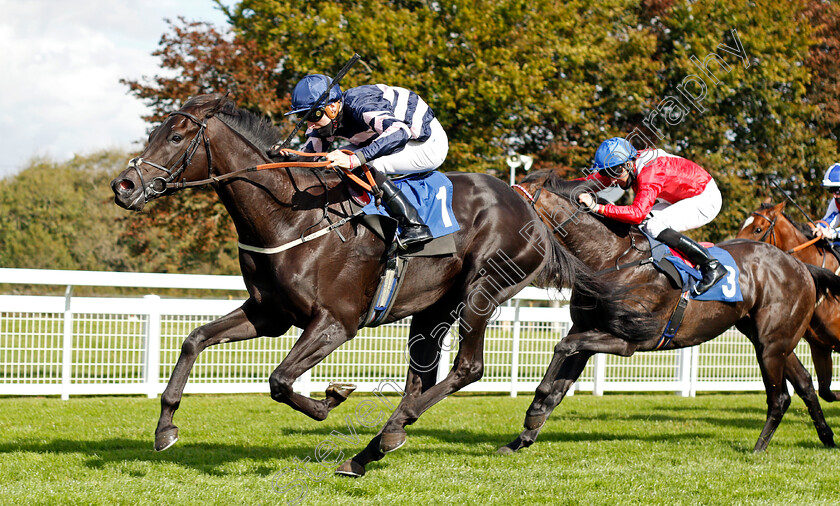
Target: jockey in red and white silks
x,y
672,195
670,192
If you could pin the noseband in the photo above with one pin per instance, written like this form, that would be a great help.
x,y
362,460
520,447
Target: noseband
x,y
158,185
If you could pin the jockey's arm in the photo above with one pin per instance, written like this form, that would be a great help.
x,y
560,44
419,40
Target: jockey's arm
x,y
636,212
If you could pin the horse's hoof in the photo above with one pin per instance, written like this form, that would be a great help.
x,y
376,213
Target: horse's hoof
x,y
351,468
533,422
165,439
505,450
391,441
341,391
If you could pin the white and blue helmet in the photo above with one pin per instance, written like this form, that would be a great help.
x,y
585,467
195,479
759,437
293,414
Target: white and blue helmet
x,y
832,177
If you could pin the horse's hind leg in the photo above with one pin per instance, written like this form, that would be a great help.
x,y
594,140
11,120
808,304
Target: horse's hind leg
x,y
822,366
423,353
239,325
804,387
772,364
570,358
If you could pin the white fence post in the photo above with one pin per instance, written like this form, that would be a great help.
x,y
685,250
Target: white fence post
x,y
599,362
684,372
514,365
67,344
695,372
151,364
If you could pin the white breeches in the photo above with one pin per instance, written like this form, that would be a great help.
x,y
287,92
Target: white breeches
x,y
416,156
686,214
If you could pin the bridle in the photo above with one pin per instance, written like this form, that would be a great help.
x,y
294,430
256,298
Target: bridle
x,y
159,185
770,229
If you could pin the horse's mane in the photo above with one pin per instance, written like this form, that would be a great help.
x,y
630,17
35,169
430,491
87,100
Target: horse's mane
x,y
552,182
256,128
803,228
569,189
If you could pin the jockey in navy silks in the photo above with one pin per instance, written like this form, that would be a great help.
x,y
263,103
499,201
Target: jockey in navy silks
x,y
390,129
672,194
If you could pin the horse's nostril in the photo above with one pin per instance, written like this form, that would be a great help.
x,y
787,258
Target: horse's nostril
x,y
126,185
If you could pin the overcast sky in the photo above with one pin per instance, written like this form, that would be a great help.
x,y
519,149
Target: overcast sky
x,y
60,66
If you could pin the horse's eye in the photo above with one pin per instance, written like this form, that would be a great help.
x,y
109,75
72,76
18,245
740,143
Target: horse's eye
x,y
757,230
176,138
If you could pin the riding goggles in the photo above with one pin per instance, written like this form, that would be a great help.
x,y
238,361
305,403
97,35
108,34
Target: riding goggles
x,y
833,189
315,117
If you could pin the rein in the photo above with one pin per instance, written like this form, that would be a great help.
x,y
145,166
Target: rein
x,y
280,165
547,220
771,229
159,185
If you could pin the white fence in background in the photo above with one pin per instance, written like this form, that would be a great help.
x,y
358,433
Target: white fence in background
x,y
118,345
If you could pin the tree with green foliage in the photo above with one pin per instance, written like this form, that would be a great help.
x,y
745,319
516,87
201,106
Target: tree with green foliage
x,y
61,215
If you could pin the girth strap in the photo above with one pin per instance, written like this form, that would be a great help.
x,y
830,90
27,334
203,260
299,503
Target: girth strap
x,y
674,322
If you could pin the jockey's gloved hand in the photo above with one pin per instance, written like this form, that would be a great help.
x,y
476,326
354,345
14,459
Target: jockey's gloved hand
x,y
281,155
826,233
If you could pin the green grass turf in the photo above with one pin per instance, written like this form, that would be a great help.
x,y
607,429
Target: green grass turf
x,y
616,449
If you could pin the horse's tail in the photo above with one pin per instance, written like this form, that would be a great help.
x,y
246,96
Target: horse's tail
x,y
826,282
599,304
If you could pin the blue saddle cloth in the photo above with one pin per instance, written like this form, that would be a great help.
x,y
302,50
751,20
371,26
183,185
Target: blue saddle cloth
x,y
727,289
432,196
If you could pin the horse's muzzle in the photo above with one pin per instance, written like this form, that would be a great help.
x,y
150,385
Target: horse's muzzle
x,y
128,194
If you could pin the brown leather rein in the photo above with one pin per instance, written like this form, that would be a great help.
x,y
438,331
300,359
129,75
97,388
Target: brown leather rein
x,y
369,186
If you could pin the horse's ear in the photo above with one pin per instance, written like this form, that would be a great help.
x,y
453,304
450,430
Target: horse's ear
x,y
217,104
778,208
767,200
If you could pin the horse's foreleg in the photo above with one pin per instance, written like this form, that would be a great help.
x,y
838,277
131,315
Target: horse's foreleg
x,y
570,358
320,338
804,387
235,326
549,394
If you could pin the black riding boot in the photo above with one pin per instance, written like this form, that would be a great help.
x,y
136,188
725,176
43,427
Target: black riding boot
x,y
711,268
413,228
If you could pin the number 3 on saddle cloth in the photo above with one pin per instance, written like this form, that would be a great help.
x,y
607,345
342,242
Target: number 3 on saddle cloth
x,y
679,271
727,289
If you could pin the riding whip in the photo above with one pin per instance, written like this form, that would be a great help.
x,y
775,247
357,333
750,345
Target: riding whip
x,y
776,184
352,61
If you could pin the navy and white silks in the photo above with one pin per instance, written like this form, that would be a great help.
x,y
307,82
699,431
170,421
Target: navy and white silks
x,y
389,128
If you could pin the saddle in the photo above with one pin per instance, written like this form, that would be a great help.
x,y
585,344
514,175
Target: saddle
x,y
420,189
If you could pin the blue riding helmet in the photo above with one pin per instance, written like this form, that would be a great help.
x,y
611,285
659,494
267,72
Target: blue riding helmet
x,y
613,152
832,177
309,90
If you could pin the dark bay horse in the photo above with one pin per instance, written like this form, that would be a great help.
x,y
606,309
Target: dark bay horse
x,y
779,293
325,285
770,224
